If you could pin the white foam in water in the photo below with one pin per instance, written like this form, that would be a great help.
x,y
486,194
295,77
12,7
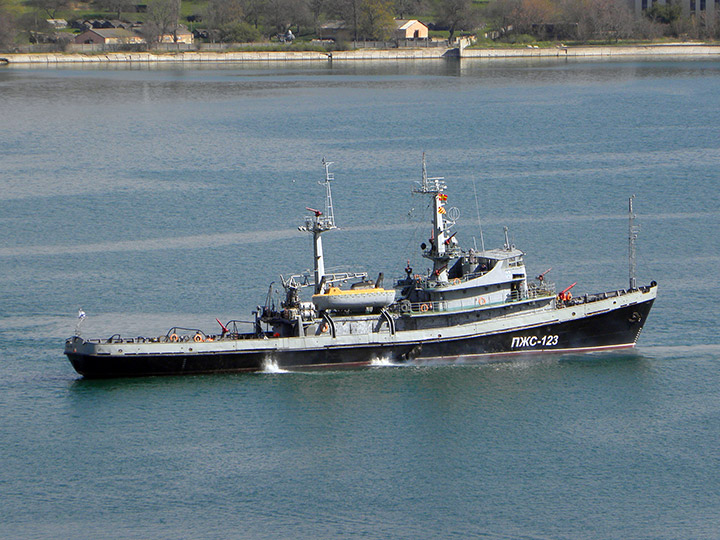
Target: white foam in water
x,y
271,366
383,361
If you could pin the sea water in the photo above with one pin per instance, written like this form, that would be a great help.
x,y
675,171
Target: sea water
x,y
158,197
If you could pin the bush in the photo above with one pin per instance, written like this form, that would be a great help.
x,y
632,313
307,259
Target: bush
x,y
665,13
521,39
239,32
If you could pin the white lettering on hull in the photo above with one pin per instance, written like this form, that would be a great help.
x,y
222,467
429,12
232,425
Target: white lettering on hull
x,y
523,342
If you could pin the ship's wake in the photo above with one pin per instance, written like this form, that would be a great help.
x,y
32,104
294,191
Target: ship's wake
x,y
683,351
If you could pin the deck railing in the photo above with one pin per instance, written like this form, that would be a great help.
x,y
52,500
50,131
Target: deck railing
x,y
545,290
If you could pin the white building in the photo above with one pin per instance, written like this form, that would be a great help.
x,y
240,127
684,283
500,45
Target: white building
x,y
689,7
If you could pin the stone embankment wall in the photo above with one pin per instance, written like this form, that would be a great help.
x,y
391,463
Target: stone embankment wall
x,y
140,57
676,49
679,49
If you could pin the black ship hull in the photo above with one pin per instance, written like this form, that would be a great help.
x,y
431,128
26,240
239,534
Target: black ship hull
x,y
613,329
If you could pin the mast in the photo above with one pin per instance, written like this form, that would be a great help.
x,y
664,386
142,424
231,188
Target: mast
x,y
435,187
329,213
318,223
632,236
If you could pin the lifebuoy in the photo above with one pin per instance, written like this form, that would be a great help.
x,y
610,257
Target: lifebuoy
x,y
324,328
174,338
481,301
424,307
456,281
198,338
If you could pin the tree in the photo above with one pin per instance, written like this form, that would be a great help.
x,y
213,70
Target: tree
x,y
535,15
50,7
301,14
224,19
455,15
162,19
612,19
238,32
8,27
316,8
282,14
573,14
664,13
223,12
34,24
644,28
708,24
376,19
598,19
405,7
501,13
116,6
253,10
349,11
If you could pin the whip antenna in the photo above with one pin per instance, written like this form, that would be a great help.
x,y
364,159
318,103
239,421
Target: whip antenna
x,y
477,209
632,236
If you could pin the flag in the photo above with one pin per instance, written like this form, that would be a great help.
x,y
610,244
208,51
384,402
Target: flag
x,y
441,210
442,197
81,314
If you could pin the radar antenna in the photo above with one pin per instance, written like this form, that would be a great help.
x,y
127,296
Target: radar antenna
x,y
429,185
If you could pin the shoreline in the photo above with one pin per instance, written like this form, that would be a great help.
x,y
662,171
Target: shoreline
x,y
673,49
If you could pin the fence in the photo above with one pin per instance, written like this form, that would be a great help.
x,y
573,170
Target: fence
x,y
201,46
400,44
127,47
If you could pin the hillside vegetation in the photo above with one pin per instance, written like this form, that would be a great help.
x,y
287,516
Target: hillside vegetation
x,y
247,21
